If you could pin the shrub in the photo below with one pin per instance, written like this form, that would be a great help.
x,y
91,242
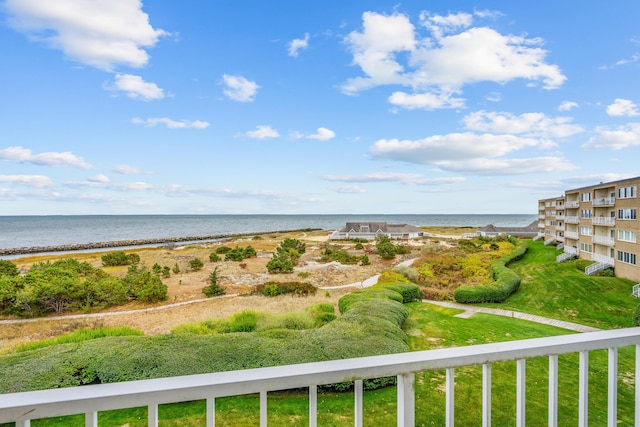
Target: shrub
x,y
223,250
145,286
636,317
213,257
339,255
196,264
506,281
410,273
280,264
119,258
364,260
176,268
271,289
245,321
359,246
384,247
213,290
7,268
239,254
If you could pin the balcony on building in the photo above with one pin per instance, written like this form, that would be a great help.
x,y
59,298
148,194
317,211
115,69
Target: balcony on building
x,y
21,408
572,219
574,204
603,220
603,240
604,201
571,235
602,258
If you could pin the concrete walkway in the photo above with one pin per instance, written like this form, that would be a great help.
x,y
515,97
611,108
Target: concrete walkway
x,y
470,310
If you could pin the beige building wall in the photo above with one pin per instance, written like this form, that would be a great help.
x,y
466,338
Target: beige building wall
x,y
600,223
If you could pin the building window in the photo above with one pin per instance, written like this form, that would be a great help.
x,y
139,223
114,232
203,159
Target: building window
x,y
585,213
627,236
585,247
627,192
627,257
585,197
586,230
626,214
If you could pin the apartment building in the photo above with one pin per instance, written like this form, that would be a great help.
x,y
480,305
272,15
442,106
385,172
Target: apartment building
x,y
598,223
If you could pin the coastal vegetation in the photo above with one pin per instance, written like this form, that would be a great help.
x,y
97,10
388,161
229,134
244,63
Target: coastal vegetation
x,y
381,316
119,258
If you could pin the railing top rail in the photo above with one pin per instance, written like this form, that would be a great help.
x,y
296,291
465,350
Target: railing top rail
x,y
66,401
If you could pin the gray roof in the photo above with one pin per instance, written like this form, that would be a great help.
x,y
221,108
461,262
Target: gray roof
x,y
529,229
382,226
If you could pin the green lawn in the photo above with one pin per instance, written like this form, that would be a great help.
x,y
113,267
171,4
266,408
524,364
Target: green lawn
x,y
562,291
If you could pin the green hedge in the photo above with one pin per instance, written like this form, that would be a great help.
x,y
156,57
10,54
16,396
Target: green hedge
x,y
370,325
505,283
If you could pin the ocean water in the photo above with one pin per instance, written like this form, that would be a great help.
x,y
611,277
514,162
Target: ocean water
x,y
29,231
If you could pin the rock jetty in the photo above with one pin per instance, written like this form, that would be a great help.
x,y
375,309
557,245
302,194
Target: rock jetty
x,y
125,243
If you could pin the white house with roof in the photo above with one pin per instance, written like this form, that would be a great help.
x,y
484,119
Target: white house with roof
x,y
370,230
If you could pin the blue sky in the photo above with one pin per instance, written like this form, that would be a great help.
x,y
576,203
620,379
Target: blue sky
x,y
226,107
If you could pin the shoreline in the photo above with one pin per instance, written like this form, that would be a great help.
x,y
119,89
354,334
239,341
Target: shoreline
x,y
114,244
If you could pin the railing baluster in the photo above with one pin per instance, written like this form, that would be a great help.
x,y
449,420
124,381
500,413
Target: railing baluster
x,y
91,419
521,383
23,423
313,406
450,397
486,395
406,402
357,397
613,388
553,391
263,409
583,394
211,412
152,415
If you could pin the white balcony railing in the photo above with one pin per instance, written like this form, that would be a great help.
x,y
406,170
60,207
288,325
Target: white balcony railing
x,y
603,220
22,407
571,219
542,216
603,240
571,250
604,201
603,259
571,235
572,204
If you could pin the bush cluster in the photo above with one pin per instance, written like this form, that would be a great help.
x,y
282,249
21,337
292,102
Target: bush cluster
x,y
505,283
387,250
339,255
239,254
68,284
119,258
286,256
213,290
272,289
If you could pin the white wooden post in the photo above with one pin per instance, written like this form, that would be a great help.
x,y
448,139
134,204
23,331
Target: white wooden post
x,y
583,387
553,391
406,400
152,415
521,395
450,398
357,397
91,419
263,409
211,412
486,395
612,410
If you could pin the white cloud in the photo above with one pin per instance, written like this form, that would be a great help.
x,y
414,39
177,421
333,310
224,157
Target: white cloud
x,y
426,101
390,51
507,166
98,182
403,178
529,124
567,105
100,178
171,124
323,134
350,189
615,139
38,181
136,88
56,159
456,146
298,44
239,88
99,33
263,132
127,170
622,107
